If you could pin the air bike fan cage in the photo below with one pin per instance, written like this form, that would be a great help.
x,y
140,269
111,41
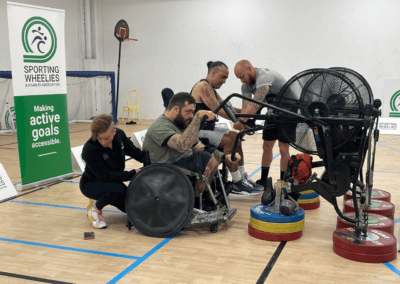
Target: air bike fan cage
x,y
329,113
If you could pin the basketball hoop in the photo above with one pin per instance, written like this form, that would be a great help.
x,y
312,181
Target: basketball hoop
x,y
121,30
121,33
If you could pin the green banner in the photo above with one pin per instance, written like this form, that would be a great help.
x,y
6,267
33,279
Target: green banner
x,y
37,50
43,137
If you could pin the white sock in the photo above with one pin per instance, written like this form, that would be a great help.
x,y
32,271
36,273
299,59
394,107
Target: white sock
x,y
236,176
242,171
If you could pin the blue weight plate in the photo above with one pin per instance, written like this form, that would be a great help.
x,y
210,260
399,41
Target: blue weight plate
x,y
309,196
260,213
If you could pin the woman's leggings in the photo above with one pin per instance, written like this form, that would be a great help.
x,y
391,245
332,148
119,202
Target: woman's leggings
x,y
106,193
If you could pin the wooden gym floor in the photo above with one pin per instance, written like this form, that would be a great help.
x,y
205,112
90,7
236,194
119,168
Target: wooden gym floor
x,y
41,236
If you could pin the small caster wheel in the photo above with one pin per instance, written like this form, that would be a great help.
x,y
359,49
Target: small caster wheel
x,y
214,228
129,225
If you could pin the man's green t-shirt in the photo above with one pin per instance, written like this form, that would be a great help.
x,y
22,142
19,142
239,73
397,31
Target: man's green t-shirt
x,y
156,139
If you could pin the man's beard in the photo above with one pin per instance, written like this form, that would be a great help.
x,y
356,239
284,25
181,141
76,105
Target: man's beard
x,y
180,122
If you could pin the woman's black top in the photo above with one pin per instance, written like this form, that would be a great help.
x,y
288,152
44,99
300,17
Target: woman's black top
x,y
108,165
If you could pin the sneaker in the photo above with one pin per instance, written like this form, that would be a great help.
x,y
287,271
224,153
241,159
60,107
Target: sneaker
x,y
96,218
91,201
243,187
255,185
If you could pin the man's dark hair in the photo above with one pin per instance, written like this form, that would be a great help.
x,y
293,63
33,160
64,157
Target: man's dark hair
x,y
180,99
211,65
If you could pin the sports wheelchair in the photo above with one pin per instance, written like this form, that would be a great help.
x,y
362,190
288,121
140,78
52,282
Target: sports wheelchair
x,y
160,199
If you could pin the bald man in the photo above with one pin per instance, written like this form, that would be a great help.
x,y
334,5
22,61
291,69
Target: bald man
x,y
260,82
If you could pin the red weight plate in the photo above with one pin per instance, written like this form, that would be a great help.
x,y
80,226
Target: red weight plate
x,y
379,207
375,221
378,242
310,206
362,257
274,237
376,194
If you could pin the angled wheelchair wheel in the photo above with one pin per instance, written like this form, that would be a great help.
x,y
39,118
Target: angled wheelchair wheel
x,y
160,200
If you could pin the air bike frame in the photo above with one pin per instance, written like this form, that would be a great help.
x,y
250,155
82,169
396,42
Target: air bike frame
x,y
342,168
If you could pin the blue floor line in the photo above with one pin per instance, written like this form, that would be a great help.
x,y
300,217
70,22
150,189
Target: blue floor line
x,y
389,147
140,260
61,206
69,248
256,171
383,141
119,276
70,181
384,172
391,267
396,221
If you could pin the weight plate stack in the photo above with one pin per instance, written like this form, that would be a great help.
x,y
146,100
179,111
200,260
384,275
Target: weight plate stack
x,y
309,200
378,194
379,207
378,247
273,226
375,221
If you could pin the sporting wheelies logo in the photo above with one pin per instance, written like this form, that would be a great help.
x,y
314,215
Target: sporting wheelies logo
x,y
39,40
395,105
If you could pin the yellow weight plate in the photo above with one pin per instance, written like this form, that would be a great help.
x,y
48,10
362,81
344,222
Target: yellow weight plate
x,y
307,192
303,201
277,228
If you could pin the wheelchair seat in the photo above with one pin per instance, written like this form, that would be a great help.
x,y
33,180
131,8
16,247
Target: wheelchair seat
x,y
166,94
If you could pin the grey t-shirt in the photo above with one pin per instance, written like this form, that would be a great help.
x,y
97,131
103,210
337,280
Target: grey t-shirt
x,y
265,76
154,141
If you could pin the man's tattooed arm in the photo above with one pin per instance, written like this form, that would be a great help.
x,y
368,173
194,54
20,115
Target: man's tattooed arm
x,y
259,96
252,108
186,140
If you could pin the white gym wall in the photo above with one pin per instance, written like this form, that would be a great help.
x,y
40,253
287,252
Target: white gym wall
x,y
177,38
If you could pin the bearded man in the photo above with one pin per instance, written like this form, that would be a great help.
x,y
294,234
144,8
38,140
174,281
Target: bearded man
x,y
172,139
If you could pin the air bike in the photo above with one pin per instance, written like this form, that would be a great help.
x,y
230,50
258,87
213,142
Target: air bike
x,y
329,113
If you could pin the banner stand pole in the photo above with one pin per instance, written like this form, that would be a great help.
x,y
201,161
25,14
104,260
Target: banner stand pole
x,y
21,187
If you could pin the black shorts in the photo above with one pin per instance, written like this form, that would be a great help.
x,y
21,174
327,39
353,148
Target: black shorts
x,y
197,161
272,134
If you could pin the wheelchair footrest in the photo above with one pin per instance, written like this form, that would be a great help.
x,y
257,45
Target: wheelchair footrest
x,y
201,217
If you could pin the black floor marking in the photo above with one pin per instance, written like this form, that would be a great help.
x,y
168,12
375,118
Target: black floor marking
x,y
271,263
32,278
